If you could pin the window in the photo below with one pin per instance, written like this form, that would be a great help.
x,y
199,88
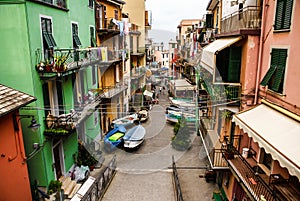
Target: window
x,y
283,15
76,40
92,37
94,71
48,40
91,3
116,14
274,78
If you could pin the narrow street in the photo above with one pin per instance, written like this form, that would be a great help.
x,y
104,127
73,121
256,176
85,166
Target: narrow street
x,y
149,166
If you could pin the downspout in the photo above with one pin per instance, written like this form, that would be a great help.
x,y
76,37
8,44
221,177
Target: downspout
x,y
261,41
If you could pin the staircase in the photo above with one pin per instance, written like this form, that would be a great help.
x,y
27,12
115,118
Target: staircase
x,y
69,187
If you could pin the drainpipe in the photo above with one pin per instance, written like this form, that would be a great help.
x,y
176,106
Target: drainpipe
x,y
261,41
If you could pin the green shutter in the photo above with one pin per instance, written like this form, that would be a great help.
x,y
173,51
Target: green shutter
x,y
288,14
77,40
268,76
278,79
279,14
234,65
47,39
52,39
279,59
283,14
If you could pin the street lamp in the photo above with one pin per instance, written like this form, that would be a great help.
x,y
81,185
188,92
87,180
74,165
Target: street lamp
x,y
33,125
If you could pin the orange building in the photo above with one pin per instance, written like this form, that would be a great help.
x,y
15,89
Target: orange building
x,y
14,183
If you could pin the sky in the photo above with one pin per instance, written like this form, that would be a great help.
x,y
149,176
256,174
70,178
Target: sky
x,y
167,14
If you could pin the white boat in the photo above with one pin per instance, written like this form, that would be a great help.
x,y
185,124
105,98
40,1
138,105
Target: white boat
x,y
143,115
134,137
127,120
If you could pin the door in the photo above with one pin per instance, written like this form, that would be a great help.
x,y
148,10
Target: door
x,y
58,158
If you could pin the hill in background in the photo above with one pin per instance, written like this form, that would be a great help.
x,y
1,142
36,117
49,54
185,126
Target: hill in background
x,y
164,36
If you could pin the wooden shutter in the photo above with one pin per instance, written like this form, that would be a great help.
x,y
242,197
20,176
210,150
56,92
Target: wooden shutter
x,y
278,59
234,66
283,14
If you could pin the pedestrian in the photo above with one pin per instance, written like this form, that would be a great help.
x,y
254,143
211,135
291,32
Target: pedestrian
x,y
160,89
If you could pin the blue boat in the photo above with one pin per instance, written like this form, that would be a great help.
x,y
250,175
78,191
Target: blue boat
x,y
134,137
114,138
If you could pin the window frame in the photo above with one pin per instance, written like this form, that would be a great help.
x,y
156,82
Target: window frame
x,y
48,41
76,40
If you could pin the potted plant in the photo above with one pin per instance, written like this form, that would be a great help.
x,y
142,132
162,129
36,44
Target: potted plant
x,y
54,186
60,63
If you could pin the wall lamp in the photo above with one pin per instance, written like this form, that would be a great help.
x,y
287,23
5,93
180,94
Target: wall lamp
x,y
33,125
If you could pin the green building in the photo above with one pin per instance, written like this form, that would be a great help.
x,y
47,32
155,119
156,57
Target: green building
x,y
48,50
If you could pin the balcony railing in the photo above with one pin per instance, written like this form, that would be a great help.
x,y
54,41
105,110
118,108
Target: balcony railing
x,y
60,126
56,3
106,24
109,92
247,18
65,60
257,182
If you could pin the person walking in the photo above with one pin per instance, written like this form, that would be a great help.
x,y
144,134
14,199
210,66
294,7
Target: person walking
x,y
160,89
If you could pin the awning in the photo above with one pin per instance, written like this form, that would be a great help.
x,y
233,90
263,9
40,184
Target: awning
x,y
208,58
148,93
277,133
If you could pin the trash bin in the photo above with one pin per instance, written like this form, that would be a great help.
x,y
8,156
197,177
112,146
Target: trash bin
x,y
245,152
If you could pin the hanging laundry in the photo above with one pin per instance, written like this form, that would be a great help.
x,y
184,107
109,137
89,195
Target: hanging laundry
x,y
126,28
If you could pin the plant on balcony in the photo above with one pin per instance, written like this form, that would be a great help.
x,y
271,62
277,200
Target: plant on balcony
x,y
60,63
45,66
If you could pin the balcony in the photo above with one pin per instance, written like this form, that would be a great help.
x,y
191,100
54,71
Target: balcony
x,y
60,126
67,61
248,172
245,21
229,94
107,26
61,4
112,91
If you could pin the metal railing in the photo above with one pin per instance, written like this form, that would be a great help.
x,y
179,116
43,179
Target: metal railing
x,y
246,18
109,92
176,182
68,59
102,182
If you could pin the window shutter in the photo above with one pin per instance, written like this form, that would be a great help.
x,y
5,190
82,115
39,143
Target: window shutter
x,y
279,14
288,14
234,65
268,76
52,39
47,39
209,20
279,59
283,14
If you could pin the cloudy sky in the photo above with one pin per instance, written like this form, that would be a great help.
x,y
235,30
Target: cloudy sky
x,y
167,14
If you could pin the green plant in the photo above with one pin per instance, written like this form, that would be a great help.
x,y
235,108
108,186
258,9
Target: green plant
x,y
54,186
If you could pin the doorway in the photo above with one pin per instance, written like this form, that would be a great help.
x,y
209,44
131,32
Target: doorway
x,y
58,159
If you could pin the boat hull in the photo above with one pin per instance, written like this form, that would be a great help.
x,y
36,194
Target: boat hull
x,y
134,137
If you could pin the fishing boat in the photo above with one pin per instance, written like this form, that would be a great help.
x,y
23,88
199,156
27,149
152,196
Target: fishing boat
x,y
143,115
134,137
126,121
175,116
114,138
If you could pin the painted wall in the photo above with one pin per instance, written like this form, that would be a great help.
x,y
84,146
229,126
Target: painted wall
x,y
22,30
14,183
290,98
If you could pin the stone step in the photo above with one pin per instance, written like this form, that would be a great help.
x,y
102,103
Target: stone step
x,y
69,188
75,189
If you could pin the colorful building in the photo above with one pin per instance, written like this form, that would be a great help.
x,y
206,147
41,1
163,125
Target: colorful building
x,y
250,113
56,63
15,184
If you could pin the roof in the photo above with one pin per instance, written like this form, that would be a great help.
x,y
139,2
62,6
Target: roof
x,y
11,99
